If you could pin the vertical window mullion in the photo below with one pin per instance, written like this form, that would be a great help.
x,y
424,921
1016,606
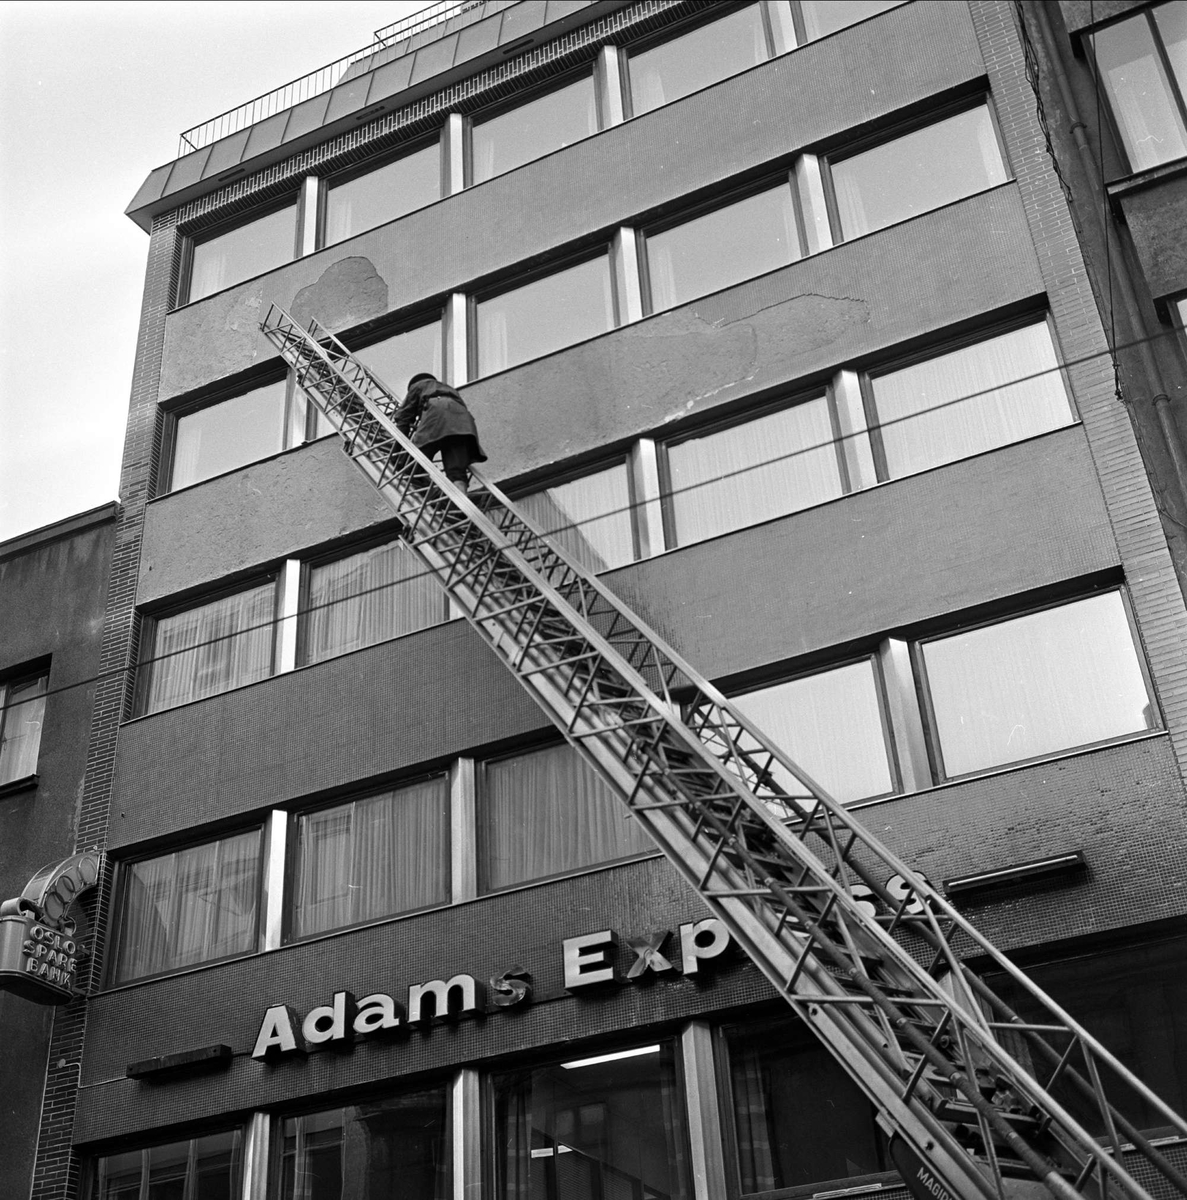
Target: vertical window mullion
x,y
463,830
275,866
459,352
782,32
466,1141
855,446
256,1157
454,156
701,1097
306,232
288,585
608,82
628,292
813,204
906,718
648,509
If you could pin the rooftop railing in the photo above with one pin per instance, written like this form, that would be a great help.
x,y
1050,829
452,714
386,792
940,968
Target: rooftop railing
x,y
317,81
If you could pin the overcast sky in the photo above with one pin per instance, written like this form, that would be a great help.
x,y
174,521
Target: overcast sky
x,y
92,97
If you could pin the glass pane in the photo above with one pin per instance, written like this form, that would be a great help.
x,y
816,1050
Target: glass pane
x,y
822,17
799,1118
372,858
216,1167
383,195
167,1170
229,258
190,907
1171,20
545,315
587,1128
396,359
20,727
119,1176
1134,999
385,1148
926,419
1048,681
831,725
547,812
1139,92
377,594
231,434
721,248
534,129
765,468
221,645
918,172
697,59
590,517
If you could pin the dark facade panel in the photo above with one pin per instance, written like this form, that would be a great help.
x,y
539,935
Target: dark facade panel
x,y
1018,519
762,116
1156,215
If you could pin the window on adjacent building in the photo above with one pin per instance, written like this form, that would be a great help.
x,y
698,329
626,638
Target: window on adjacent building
x,y
545,813
819,18
372,858
996,391
691,61
391,1146
225,259
917,172
232,433
752,471
203,1168
798,1117
833,725
189,907
22,711
611,1124
1142,63
1035,685
589,517
544,315
209,648
505,141
371,596
381,194
709,252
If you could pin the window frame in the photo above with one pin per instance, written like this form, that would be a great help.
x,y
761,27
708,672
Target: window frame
x,y
92,1184
9,679
721,423
199,234
940,777
148,635
707,205
292,844
801,26
891,133
118,927
938,349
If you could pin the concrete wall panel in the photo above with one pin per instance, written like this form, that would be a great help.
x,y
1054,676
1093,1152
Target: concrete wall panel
x,y
1156,216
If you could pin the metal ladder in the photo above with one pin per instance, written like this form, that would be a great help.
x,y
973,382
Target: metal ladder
x,y
962,1084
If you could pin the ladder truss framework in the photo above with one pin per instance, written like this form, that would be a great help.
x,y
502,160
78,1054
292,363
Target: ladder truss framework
x,y
978,1100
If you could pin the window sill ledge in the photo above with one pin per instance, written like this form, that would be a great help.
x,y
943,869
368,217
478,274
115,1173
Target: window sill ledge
x,y
1119,189
25,783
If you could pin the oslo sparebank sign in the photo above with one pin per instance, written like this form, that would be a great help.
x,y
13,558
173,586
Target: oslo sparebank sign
x,y
587,961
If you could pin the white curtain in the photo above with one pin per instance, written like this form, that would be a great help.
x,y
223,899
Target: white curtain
x,y
590,517
194,906
20,727
366,598
372,858
221,645
547,812
493,353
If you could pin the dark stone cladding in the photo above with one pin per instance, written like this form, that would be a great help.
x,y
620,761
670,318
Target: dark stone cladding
x,y
752,122
850,570
1089,801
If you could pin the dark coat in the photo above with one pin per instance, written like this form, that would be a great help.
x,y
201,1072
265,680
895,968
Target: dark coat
x,y
433,411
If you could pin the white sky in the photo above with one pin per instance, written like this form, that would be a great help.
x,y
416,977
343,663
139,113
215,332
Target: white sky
x,y
93,95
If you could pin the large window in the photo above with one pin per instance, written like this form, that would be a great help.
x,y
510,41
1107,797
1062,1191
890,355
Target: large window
x,y
722,247
22,711
1142,63
376,594
542,316
397,1146
397,358
832,724
610,1124
819,18
917,172
798,1117
203,1168
987,394
372,858
189,907
232,433
503,142
224,259
589,517
1034,685
547,812
381,194
211,648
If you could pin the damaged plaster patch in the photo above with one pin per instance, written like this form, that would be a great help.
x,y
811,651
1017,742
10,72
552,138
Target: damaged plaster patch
x,y
346,293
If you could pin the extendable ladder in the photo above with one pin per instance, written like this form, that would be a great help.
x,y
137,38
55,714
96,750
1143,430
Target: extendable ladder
x,y
977,1100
